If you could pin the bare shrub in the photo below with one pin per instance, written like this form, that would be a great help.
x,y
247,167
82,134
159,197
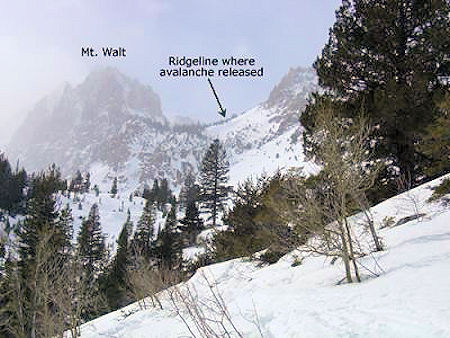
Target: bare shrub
x,y
411,199
206,316
320,207
52,299
146,282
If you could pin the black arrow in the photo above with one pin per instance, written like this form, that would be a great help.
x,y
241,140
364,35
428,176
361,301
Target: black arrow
x,y
222,111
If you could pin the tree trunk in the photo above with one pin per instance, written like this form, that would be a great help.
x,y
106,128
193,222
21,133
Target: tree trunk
x,y
376,240
345,256
364,205
33,326
351,252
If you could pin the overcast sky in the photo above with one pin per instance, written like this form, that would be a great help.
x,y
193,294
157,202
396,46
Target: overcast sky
x,y
40,44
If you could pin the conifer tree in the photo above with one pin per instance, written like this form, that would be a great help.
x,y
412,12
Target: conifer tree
x,y
91,243
390,58
164,192
42,215
87,182
19,184
168,243
76,185
11,186
192,224
115,285
436,141
113,191
213,179
64,226
121,261
2,253
43,240
154,195
190,191
5,178
143,237
12,315
150,194
96,190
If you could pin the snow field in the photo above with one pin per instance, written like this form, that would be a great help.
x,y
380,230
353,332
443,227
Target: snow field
x,y
410,298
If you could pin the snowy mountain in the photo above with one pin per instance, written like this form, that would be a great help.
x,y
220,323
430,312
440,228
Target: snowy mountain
x,y
95,121
267,137
110,125
113,126
404,293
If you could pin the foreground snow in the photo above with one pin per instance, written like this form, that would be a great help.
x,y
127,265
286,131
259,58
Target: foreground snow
x,y
410,298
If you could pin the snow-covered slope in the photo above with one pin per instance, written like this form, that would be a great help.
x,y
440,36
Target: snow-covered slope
x,y
410,298
255,144
267,138
113,211
113,126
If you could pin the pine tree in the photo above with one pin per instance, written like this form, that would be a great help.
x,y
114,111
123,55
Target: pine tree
x,y
192,224
42,216
143,237
154,193
168,243
19,184
64,225
90,262
2,253
96,190
5,178
2,256
389,57
87,182
190,191
151,194
213,179
113,191
11,187
114,286
91,243
7,226
164,192
12,315
76,185
122,259
43,237
436,141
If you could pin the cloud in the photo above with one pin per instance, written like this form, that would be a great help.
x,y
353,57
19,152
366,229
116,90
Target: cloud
x,y
41,42
30,70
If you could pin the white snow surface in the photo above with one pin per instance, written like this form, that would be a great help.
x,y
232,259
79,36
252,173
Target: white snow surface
x,y
410,298
260,148
113,212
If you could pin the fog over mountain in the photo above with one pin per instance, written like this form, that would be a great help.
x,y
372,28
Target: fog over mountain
x,y
114,126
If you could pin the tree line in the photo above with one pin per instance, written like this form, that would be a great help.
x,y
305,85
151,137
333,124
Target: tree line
x,y
53,280
379,126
